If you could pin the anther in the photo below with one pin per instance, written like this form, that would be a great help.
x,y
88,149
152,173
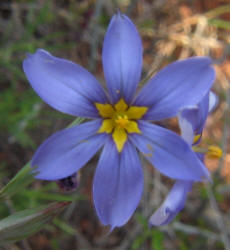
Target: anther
x,y
214,152
122,121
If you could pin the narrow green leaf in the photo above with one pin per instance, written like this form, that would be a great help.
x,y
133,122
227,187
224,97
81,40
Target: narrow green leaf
x,y
77,121
64,226
37,194
23,178
157,240
219,23
218,11
27,222
138,242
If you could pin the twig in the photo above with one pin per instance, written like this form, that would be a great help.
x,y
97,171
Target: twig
x,y
224,56
195,230
225,135
132,4
132,236
94,26
83,242
25,245
219,219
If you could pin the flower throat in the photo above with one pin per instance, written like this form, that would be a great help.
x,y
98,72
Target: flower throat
x,y
120,119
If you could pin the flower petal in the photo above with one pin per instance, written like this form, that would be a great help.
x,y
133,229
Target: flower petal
x,y
200,156
118,184
65,152
119,138
107,126
135,112
169,153
187,132
181,84
63,84
196,117
122,58
172,205
213,101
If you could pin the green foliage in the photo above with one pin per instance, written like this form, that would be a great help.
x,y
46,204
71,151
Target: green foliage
x,y
219,23
152,237
22,224
22,179
16,195
19,105
64,226
17,112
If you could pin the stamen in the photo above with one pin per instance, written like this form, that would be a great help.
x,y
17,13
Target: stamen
x,y
214,152
122,121
196,138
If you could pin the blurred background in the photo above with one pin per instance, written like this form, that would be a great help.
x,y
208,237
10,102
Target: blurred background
x,y
74,29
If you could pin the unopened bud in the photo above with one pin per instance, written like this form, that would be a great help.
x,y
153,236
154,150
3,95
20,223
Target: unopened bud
x,y
69,184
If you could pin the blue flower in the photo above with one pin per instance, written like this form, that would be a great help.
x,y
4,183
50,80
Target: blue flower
x,y
121,119
192,122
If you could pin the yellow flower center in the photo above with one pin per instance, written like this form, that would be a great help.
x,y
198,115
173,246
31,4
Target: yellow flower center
x,y
122,121
119,120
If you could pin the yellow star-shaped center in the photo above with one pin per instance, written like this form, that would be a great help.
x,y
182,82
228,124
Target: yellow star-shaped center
x,y
119,120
